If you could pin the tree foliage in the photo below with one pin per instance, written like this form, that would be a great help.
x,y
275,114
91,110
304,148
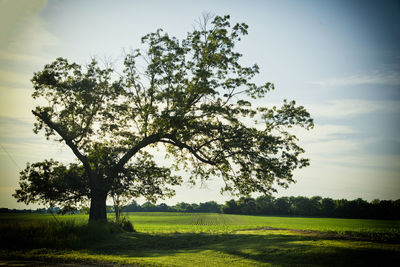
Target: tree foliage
x,y
51,182
192,96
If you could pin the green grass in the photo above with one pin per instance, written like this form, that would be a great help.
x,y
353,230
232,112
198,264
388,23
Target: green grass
x,y
203,222
190,239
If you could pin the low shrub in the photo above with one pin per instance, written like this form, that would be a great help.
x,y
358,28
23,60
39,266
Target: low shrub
x,y
126,225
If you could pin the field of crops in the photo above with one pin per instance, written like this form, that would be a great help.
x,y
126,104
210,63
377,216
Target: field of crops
x,y
203,222
201,239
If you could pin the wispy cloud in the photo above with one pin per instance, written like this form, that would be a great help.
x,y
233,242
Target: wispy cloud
x,y
13,79
333,148
341,167
29,35
16,103
19,57
339,180
329,140
328,131
378,78
340,145
23,51
352,107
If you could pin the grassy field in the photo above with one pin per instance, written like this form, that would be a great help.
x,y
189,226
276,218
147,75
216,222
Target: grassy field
x,y
190,239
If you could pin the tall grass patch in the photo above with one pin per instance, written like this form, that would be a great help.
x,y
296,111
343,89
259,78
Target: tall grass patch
x,y
53,234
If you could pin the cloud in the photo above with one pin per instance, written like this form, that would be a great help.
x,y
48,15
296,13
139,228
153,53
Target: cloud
x,y
341,145
342,167
379,78
29,151
12,128
23,31
347,181
366,161
328,139
16,103
20,57
32,41
12,79
328,131
352,107
24,51
333,148
25,48
15,15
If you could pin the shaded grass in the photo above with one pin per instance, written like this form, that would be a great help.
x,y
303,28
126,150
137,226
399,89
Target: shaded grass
x,y
54,234
245,248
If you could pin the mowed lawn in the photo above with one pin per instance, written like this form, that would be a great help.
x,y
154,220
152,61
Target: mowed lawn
x,y
201,239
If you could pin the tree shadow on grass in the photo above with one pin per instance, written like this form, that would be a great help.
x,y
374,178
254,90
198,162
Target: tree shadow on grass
x,y
252,247
274,248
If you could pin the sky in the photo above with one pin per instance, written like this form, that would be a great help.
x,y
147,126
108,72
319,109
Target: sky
x,y
340,59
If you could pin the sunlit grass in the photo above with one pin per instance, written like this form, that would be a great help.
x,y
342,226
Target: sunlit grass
x,y
224,223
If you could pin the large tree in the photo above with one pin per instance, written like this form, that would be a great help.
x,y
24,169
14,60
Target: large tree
x,y
191,96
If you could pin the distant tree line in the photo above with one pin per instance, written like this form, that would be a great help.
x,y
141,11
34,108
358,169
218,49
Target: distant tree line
x,y
38,210
314,206
285,206
7,210
210,206
266,205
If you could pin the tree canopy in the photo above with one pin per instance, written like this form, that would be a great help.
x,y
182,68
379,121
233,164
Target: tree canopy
x,y
192,96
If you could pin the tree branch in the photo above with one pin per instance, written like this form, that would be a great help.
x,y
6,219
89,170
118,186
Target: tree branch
x,y
151,139
64,136
174,141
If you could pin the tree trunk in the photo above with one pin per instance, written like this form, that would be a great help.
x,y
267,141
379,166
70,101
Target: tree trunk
x,y
117,208
98,199
98,208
